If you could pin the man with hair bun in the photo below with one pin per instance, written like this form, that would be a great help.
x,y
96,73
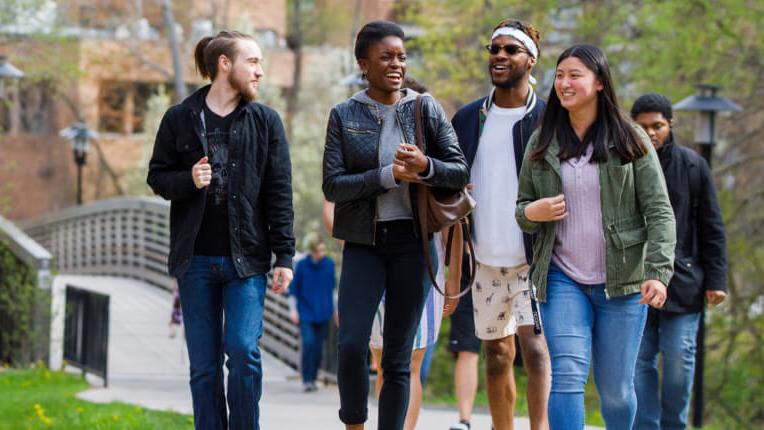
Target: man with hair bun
x,y
223,162
493,132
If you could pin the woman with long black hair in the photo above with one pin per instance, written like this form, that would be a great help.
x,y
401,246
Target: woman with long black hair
x,y
369,163
592,191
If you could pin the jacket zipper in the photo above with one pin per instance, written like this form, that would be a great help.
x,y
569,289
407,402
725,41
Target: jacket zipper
x,y
376,206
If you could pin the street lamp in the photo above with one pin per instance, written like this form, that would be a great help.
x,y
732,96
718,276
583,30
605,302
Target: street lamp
x,y
79,134
707,104
7,72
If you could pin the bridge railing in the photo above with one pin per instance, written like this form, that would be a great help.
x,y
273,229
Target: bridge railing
x,y
130,237
125,237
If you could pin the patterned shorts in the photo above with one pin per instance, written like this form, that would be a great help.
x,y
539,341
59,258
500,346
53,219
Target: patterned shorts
x,y
502,301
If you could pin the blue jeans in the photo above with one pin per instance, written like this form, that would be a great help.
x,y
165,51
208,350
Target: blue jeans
x,y
581,323
427,362
672,335
393,266
312,335
210,289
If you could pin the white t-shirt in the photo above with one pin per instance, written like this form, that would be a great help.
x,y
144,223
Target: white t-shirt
x,y
498,239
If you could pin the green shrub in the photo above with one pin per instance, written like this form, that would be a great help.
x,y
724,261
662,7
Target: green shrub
x,y
19,299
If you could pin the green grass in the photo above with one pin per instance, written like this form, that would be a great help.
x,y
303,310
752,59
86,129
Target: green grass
x,y
439,388
43,399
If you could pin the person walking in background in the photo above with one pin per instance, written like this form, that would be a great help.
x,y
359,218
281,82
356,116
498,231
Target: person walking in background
x,y
592,191
700,274
493,133
223,162
368,165
312,305
176,316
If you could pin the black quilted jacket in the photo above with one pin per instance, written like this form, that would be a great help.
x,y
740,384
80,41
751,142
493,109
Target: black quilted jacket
x,y
352,170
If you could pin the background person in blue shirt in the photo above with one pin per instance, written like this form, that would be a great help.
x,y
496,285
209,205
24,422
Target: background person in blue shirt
x,y
312,305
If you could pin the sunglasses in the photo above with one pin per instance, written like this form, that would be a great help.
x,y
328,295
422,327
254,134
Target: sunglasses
x,y
508,49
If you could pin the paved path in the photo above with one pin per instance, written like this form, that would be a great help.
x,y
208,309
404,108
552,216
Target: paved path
x,y
150,369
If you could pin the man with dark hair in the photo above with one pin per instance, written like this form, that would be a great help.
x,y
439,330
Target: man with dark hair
x,y
223,162
700,274
493,132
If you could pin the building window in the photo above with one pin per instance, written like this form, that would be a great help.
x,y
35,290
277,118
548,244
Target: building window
x,y
122,105
29,108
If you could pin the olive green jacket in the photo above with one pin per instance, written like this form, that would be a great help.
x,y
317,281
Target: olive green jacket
x,y
637,219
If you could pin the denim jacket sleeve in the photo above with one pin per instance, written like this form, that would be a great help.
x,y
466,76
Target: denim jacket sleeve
x,y
526,193
654,204
167,176
338,185
448,165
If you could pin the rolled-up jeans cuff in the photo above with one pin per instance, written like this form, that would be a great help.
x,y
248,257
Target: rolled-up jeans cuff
x,y
357,417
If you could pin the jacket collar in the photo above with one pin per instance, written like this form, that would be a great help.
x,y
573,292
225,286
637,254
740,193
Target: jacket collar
x,y
530,101
530,104
195,101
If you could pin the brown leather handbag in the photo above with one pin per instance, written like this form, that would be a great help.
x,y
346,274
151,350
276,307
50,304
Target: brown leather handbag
x,y
438,210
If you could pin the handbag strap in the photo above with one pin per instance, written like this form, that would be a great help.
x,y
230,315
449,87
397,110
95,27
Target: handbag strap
x,y
422,191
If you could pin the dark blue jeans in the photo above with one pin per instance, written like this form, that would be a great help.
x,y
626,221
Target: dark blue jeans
x,y
393,266
209,290
664,405
313,335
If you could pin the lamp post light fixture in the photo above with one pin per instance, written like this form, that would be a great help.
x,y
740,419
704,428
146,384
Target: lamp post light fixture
x,y
7,71
707,103
79,134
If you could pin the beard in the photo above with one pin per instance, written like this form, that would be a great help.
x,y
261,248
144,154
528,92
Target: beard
x,y
514,78
246,91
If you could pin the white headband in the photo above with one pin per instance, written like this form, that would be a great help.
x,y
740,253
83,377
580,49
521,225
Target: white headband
x,y
523,38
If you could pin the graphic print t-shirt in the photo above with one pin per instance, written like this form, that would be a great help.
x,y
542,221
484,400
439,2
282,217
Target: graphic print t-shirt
x,y
213,238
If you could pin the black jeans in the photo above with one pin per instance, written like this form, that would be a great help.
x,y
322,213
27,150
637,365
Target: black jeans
x,y
394,266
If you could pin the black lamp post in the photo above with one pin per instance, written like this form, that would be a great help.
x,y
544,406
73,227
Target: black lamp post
x,y
79,134
7,71
707,104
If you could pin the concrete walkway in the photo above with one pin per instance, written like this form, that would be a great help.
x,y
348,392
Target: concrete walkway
x,y
150,369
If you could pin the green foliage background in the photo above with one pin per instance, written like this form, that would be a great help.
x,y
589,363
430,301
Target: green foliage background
x,y
19,297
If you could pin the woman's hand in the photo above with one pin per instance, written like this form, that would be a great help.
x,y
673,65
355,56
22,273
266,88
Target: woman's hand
x,y
547,209
653,293
449,306
409,163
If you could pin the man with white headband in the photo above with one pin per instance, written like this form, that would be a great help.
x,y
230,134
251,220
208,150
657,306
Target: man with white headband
x,y
493,132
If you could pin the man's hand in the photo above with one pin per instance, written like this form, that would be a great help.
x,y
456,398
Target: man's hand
x,y
202,173
653,293
282,276
295,317
714,297
547,209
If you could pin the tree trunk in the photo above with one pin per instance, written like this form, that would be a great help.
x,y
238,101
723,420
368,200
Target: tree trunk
x,y
172,39
292,94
